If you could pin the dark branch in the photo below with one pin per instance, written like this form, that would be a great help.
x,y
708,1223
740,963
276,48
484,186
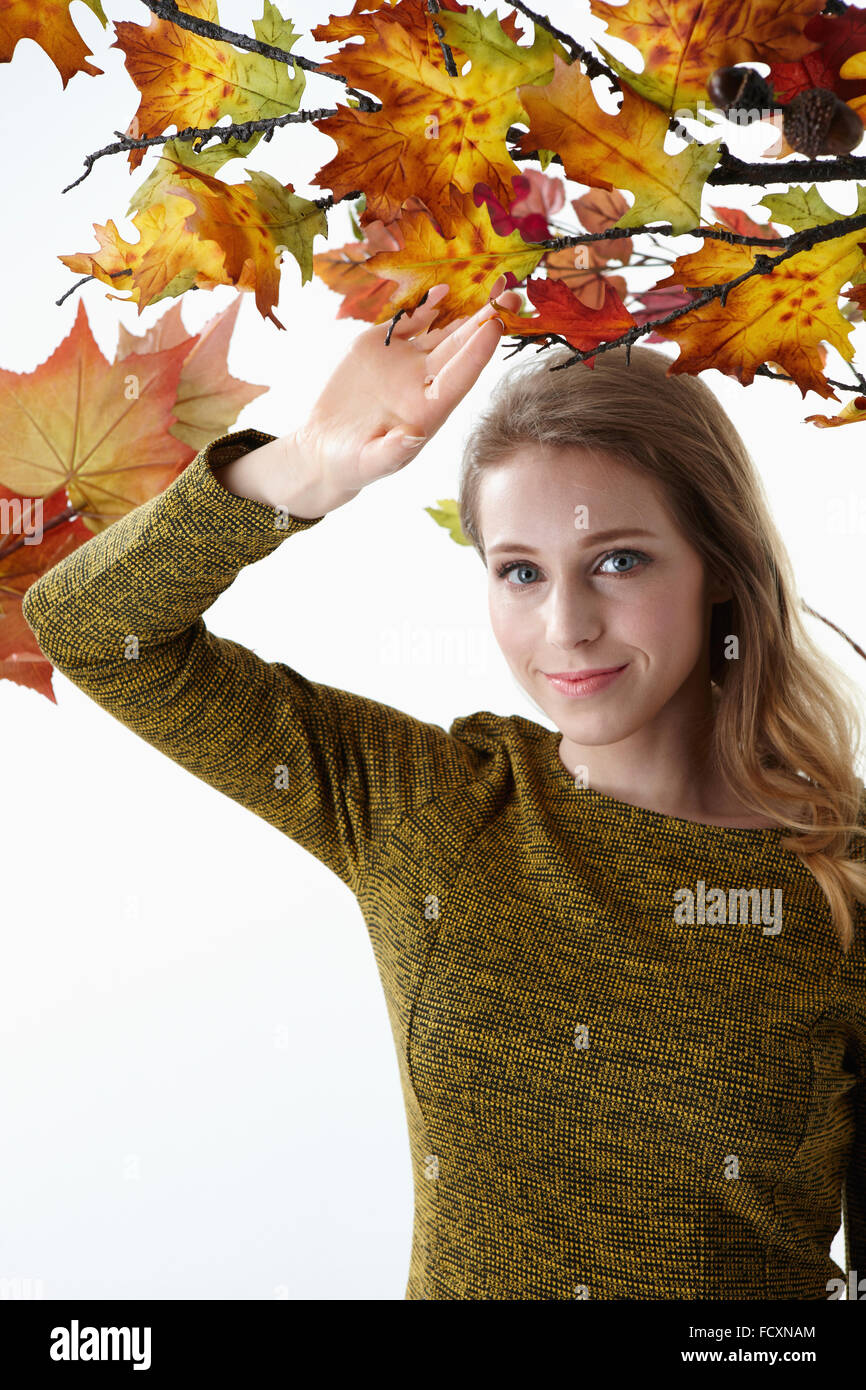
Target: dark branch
x,y
168,10
731,170
450,65
200,135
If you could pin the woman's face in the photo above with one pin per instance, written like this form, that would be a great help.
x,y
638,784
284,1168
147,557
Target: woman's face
x,y
598,575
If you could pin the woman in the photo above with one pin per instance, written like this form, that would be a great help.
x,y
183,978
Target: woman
x,y
623,961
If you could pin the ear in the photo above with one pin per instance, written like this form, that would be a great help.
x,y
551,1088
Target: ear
x,y
718,592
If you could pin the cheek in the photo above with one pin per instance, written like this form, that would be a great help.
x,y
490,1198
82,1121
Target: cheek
x,y
511,622
670,623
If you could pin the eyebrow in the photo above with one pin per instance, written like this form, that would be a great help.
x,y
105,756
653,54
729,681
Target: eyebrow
x,y
592,538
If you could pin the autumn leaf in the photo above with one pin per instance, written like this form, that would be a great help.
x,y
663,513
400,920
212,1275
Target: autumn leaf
x,y
562,313
850,414
204,232
254,223
209,399
839,36
621,151
344,270
470,262
435,134
97,429
49,24
683,43
531,206
165,261
186,80
782,316
656,303
583,268
740,222
447,515
41,537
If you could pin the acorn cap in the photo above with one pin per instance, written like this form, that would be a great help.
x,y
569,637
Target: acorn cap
x,y
817,116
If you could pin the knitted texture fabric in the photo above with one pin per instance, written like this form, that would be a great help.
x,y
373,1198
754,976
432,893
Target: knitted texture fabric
x,y
604,1099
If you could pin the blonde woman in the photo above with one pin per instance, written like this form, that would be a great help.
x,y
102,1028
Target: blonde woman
x,y
624,959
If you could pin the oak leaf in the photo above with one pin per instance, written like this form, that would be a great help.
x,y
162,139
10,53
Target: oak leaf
x,y
622,151
470,262
782,316
187,80
562,313
49,24
852,413
682,43
435,133
201,231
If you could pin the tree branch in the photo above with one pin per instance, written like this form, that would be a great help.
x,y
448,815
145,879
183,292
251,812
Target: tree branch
x,y
168,10
202,134
450,65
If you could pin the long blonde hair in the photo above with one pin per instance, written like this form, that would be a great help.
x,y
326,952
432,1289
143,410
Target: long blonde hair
x,y
788,729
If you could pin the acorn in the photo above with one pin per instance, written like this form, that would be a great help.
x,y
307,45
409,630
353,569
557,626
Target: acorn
x,y
740,89
817,121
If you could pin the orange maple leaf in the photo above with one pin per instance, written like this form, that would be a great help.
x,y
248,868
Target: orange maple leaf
x,y
209,398
37,536
100,431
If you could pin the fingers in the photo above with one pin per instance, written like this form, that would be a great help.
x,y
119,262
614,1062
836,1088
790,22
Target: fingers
x,y
460,372
388,453
419,318
457,333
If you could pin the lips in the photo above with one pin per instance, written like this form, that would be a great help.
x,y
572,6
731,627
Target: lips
x,y
582,675
578,685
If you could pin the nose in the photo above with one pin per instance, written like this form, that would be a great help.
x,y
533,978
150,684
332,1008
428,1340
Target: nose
x,y
571,617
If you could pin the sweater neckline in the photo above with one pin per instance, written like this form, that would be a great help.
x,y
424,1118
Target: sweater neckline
x,y
640,815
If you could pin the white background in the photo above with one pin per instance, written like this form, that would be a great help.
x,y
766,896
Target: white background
x,y
199,1093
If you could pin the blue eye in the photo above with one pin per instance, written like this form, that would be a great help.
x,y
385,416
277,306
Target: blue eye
x,y
614,554
514,565
509,565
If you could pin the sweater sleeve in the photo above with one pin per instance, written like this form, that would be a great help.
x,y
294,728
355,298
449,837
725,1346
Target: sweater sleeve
x,y
120,617
854,1206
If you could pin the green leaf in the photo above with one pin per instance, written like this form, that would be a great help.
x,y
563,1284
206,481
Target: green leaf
x,y
447,516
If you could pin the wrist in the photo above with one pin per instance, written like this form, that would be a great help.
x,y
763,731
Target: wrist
x,y
277,474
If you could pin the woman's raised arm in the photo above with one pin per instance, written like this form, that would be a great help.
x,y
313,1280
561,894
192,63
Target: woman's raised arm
x,y
121,616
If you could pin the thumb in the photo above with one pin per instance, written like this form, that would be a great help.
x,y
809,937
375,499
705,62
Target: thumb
x,y
391,451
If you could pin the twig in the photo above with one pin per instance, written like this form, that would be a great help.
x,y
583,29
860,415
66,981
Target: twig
x,y
241,131
168,10
450,65
732,170
763,265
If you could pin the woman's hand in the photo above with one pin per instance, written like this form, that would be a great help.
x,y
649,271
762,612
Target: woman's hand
x,y
383,402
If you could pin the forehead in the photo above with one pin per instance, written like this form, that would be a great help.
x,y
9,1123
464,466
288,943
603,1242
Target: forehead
x,y
540,482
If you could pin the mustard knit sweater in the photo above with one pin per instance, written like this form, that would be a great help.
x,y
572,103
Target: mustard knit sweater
x,y
605,1099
